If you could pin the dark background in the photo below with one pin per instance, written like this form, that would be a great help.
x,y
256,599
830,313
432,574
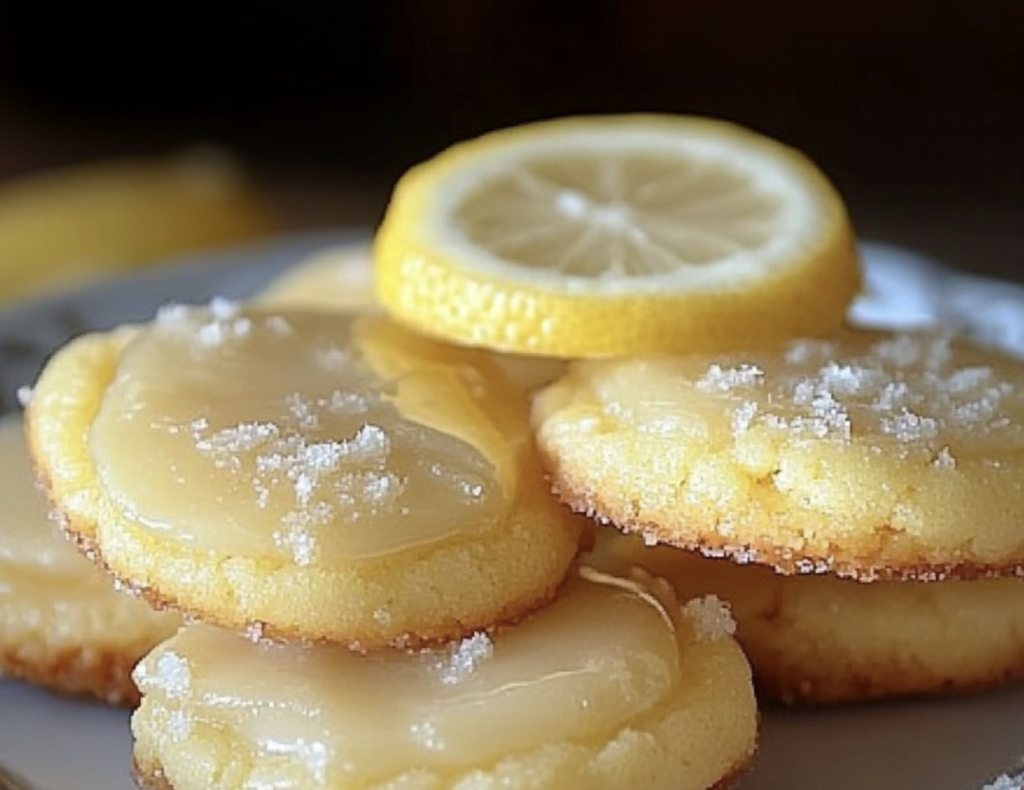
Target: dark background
x,y
916,110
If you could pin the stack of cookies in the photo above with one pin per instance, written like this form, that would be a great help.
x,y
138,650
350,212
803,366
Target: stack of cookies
x,y
383,592
853,498
353,503
720,402
857,500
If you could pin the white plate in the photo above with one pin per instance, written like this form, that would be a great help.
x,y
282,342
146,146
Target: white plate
x,y
954,744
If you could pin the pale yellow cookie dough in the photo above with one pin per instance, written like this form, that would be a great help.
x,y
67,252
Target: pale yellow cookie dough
x,y
821,639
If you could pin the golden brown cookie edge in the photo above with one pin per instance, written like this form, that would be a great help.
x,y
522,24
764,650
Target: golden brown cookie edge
x,y
83,672
864,568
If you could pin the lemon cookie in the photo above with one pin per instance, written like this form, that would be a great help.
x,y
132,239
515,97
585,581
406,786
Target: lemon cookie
x,y
613,685
62,624
305,475
871,455
822,639
335,278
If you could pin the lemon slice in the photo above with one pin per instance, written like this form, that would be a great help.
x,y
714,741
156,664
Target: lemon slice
x,y
615,235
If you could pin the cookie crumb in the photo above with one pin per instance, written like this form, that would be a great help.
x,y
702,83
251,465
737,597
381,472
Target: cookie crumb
x,y
254,632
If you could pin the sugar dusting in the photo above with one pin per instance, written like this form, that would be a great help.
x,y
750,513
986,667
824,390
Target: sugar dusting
x,y
711,617
320,476
179,725
465,657
310,433
425,734
1006,782
944,459
743,416
719,379
172,674
905,386
222,321
315,755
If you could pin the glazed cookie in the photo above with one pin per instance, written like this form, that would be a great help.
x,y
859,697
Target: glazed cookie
x,y
335,278
822,639
62,625
341,278
304,475
873,455
613,685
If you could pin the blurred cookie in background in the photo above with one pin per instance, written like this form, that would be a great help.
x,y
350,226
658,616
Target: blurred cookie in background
x,y
341,278
62,226
338,277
